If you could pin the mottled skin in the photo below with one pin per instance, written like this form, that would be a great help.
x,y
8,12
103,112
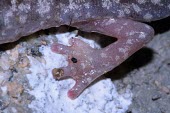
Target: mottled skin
x,y
116,18
22,17
92,63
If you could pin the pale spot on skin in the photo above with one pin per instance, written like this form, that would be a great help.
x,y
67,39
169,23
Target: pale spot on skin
x,y
43,7
89,80
119,29
88,15
125,55
117,1
129,41
117,58
77,15
121,13
123,50
108,22
141,1
83,81
147,27
125,24
24,7
3,33
63,9
106,64
14,7
142,35
169,6
103,55
92,72
42,23
87,5
8,16
127,11
73,5
106,4
130,33
80,1
83,65
156,1
148,16
136,8
23,19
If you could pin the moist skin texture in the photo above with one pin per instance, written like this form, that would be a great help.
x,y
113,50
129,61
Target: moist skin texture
x,y
115,18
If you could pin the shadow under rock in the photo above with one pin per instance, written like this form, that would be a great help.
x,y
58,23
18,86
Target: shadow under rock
x,y
137,60
161,26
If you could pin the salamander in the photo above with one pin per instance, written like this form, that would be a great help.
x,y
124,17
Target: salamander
x,y
122,19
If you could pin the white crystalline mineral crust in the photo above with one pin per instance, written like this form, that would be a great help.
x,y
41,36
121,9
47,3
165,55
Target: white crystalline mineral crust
x,y
51,95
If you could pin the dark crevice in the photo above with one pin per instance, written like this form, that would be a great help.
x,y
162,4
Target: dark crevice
x,y
137,60
161,26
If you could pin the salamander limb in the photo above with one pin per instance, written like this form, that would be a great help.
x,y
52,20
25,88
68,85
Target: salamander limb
x,y
87,64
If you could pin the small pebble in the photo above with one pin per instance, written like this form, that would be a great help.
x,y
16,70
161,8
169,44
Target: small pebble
x,y
156,97
165,89
24,62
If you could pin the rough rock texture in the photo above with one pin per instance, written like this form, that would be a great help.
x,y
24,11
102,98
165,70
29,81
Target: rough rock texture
x,y
151,84
22,17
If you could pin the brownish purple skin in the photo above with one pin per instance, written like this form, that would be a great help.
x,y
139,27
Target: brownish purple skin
x,y
116,18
